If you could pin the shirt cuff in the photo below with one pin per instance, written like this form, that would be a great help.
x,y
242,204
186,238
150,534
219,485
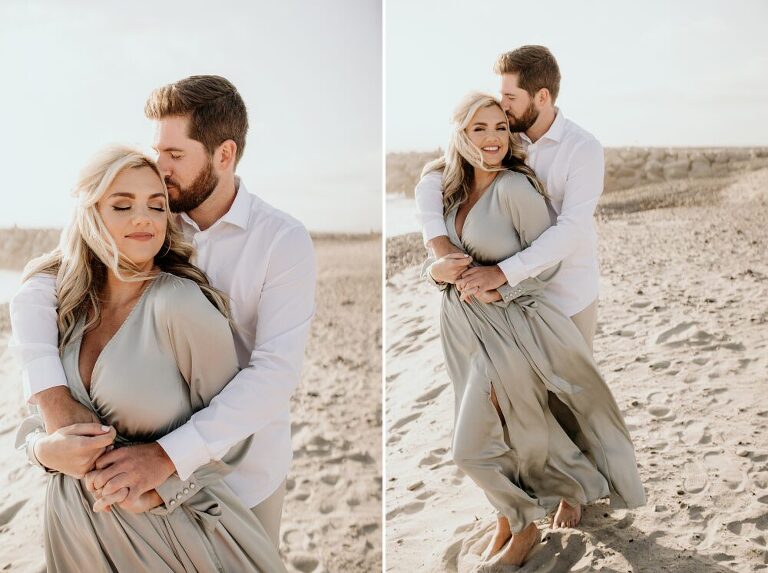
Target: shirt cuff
x,y
186,448
514,269
434,229
42,374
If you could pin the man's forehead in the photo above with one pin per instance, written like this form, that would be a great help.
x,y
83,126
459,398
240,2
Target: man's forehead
x,y
170,132
509,82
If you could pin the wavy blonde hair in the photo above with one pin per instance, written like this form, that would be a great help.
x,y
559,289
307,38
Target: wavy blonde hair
x,y
86,249
461,156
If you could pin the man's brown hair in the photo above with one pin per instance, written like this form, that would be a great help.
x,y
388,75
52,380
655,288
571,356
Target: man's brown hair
x,y
535,67
215,109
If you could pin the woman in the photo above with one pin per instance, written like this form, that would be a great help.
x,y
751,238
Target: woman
x,y
145,342
534,421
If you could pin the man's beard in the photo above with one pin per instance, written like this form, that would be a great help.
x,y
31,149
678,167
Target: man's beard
x,y
189,198
524,123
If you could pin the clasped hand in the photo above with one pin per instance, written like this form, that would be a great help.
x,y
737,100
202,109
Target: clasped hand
x,y
126,476
480,282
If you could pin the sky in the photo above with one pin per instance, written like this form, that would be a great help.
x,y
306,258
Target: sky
x,y
75,76
650,73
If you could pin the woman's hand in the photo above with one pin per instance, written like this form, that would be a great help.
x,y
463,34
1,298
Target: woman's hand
x,y
73,450
449,268
145,502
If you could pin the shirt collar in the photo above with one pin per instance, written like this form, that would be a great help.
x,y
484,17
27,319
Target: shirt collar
x,y
239,212
555,131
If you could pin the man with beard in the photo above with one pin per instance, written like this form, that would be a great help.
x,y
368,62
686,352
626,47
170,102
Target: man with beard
x,y
257,255
570,163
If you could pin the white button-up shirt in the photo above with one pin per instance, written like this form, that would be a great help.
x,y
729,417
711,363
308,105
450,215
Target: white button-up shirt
x,y
571,163
263,259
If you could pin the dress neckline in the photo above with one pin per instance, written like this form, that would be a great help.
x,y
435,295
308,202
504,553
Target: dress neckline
x,y
455,211
79,342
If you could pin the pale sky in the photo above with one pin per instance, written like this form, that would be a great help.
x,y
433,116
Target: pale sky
x,y
75,76
656,72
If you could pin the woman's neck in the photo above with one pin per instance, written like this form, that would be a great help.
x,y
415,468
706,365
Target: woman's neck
x,y
482,179
118,293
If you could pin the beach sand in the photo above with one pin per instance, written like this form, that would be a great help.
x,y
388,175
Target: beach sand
x,y
682,341
332,513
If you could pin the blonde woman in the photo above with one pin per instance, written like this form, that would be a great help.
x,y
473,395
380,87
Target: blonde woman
x,y
534,421
145,341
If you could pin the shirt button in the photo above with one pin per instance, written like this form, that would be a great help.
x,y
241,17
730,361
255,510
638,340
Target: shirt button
x,y
192,486
173,502
178,496
185,491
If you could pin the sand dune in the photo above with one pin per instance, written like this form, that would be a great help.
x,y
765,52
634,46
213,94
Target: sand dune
x,y
332,514
683,343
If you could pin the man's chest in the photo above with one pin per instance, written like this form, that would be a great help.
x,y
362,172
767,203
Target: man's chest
x,y
551,163
238,267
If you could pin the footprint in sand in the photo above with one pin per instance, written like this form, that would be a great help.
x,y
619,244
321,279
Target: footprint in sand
x,y
694,477
432,394
695,433
726,469
407,509
675,335
305,563
7,514
404,421
754,528
434,457
658,406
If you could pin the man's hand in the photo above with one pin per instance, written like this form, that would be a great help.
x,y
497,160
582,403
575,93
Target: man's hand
x,y
481,279
488,296
60,409
450,267
442,246
145,502
139,468
73,450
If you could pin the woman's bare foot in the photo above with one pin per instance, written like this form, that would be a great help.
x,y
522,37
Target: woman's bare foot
x,y
521,544
500,538
567,515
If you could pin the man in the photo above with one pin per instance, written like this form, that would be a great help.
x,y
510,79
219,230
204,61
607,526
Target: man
x,y
570,162
259,256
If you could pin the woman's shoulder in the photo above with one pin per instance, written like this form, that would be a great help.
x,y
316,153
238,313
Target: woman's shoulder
x,y
514,182
518,192
173,295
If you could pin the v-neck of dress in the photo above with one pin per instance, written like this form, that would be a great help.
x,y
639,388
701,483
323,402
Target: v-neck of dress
x,y
79,342
460,235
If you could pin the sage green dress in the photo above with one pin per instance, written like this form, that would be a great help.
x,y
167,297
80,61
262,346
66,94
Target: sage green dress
x,y
170,357
563,436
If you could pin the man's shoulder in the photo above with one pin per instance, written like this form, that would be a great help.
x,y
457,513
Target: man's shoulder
x,y
268,224
577,136
266,219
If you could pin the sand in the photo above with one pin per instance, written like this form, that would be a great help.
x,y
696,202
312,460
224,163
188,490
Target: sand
x,y
332,514
683,343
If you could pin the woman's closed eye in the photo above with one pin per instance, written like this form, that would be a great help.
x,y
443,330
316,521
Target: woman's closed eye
x,y
158,208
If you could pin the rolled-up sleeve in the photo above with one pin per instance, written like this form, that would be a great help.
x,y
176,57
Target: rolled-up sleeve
x,y
429,202
35,335
260,393
583,187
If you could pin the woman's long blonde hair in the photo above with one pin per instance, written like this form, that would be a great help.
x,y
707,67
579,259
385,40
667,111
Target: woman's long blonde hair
x,y
462,156
86,249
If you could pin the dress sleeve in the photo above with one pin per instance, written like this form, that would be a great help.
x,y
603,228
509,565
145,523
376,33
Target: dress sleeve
x,y
530,218
204,348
